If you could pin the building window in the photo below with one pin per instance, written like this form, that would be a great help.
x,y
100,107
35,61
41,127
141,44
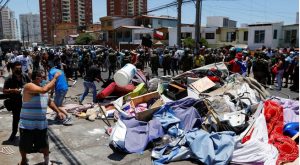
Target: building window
x,y
259,36
159,22
290,36
209,35
246,36
230,36
225,22
127,34
275,34
186,35
119,34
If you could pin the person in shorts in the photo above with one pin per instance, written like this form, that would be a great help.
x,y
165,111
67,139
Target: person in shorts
x,y
33,122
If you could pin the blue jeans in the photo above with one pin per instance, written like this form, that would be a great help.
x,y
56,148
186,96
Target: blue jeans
x,y
89,85
59,97
279,77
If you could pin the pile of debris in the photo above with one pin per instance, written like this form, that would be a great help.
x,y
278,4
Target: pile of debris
x,y
204,114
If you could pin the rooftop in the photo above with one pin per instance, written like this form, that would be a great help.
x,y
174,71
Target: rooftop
x,y
159,17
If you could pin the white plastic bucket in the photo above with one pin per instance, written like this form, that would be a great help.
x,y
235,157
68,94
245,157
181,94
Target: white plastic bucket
x,y
123,76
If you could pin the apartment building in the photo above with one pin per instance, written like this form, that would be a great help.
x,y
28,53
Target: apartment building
x,y
30,28
53,12
8,24
126,7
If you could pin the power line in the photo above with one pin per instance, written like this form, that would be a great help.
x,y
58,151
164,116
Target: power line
x,y
4,4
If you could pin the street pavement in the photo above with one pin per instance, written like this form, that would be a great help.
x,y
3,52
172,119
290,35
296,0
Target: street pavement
x,y
84,142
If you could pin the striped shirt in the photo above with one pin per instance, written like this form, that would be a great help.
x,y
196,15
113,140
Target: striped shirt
x,y
33,113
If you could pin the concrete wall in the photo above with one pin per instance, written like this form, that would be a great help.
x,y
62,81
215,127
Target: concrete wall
x,y
269,31
214,21
122,22
158,23
173,34
240,36
210,30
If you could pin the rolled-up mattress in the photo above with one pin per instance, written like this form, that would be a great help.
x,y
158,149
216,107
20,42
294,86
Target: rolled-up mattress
x,y
115,90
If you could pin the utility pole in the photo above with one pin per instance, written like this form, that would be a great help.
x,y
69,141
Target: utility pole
x,y
200,16
179,23
197,26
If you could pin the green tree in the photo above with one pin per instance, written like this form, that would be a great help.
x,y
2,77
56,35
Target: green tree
x,y
189,42
84,39
204,42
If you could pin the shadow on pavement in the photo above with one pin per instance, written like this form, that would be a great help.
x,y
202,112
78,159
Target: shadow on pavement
x,y
15,142
116,156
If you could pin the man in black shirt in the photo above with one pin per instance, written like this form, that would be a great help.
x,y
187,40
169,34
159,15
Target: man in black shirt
x,y
93,74
12,87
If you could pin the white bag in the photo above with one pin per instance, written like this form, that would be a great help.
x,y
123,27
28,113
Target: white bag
x,y
117,137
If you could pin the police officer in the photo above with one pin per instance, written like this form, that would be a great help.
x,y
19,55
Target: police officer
x,y
112,58
260,69
154,62
187,60
167,62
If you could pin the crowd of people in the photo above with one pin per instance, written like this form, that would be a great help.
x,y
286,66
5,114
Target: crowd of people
x,y
267,65
35,73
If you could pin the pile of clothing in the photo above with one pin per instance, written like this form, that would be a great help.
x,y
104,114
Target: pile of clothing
x,y
237,122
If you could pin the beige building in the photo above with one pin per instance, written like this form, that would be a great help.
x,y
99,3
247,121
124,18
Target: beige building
x,y
8,24
63,31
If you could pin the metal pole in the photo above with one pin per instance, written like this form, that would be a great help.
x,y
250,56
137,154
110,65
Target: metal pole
x,y
197,26
179,23
200,15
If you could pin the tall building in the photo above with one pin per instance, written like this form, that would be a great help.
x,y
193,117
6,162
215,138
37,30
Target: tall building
x,y
126,7
8,24
297,18
53,12
30,28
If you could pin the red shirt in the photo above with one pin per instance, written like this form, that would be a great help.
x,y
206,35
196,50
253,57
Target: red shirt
x,y
133,58
235,66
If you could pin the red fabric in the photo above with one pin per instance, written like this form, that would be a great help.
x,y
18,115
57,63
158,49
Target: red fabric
x,y
235,66
120,91
275,69
158,35
288,150
133,58
214,78
239,56
115,90
247,137
107,91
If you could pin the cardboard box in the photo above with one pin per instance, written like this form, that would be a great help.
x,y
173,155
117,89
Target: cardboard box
x,y
175,92
147,114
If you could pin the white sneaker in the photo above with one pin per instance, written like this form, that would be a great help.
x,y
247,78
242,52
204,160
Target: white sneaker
x,y
67,121
74,83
